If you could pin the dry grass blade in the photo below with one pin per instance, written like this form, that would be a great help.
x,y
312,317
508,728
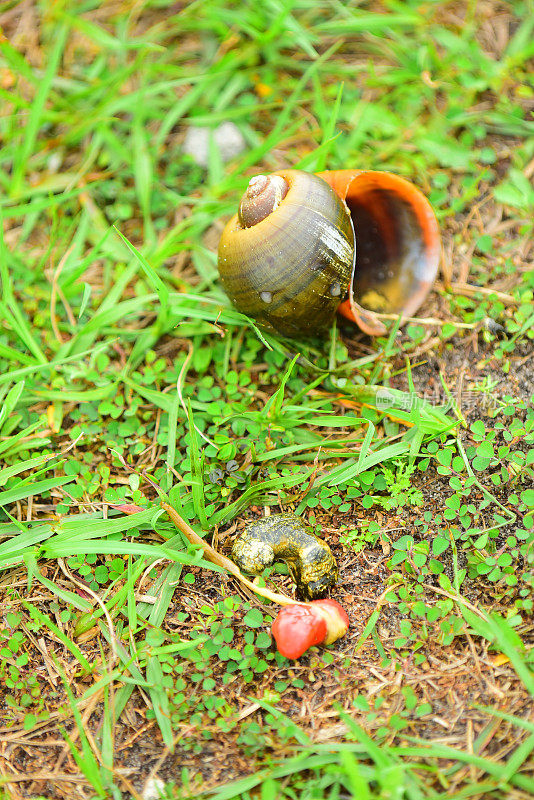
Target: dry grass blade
x,y
221,561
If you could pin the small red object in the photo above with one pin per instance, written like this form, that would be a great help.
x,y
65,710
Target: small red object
x,y
296,628
299,627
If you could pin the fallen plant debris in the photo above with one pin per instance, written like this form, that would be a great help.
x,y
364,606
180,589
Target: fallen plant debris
x,y
298,626
285,537
221,561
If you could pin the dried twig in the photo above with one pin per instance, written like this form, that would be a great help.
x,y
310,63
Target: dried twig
x,y
221,561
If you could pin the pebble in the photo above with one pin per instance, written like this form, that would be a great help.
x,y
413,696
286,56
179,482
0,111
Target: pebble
x,y
227,137
153,789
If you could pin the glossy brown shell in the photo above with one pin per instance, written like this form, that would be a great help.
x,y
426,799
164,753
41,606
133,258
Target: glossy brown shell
x,y
291,270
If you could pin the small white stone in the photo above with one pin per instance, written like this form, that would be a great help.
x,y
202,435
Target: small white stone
x,y
54,162
227,137
153,789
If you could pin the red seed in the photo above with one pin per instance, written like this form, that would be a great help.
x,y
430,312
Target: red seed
x,y
296,628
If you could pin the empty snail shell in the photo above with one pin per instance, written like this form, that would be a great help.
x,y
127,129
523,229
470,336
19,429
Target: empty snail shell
x,y
304,246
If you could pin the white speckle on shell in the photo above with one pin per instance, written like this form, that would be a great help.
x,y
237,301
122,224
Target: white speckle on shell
x,y
335,289
266,297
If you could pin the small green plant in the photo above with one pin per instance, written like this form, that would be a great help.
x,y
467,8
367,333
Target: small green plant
x,y
398,488
367,534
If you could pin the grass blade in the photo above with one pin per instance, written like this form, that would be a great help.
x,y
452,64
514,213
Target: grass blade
x,y
34,121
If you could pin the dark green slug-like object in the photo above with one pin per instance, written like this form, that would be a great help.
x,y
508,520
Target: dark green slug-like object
x,y
284,537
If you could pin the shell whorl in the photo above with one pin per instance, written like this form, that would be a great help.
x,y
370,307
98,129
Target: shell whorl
x,y
263,196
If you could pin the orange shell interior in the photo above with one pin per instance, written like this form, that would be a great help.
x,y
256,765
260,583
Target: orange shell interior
x,y
397,244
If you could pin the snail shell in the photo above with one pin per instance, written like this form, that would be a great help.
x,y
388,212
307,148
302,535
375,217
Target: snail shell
x,y
284,537
304,246
291,269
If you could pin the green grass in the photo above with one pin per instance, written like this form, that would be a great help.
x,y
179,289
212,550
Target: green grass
x,y
125,374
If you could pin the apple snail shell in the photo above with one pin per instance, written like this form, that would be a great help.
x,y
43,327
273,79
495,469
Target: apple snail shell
x,y
304,246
